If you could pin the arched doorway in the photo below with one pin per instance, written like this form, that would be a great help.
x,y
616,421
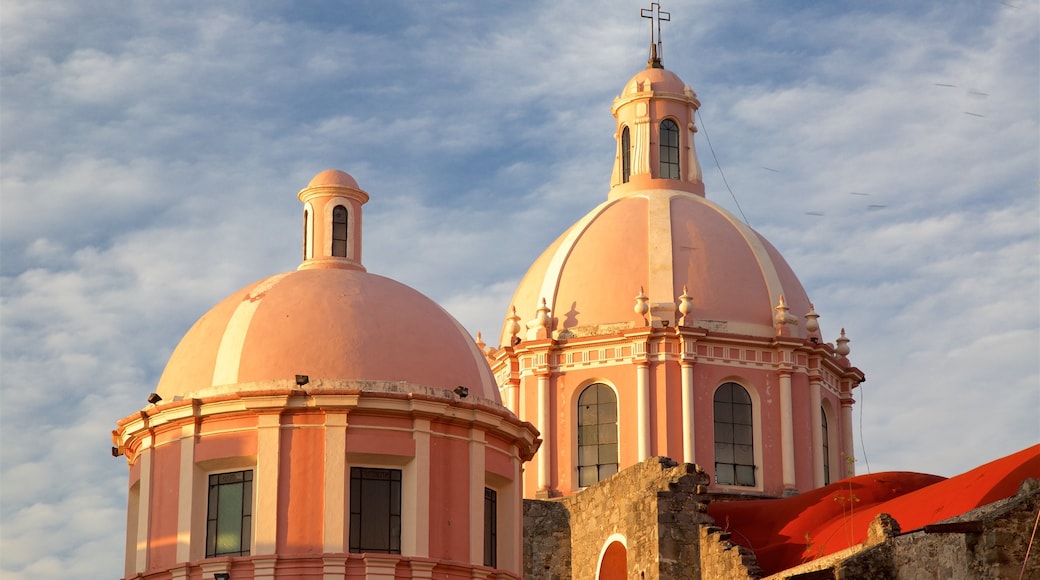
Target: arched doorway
x,y
613,565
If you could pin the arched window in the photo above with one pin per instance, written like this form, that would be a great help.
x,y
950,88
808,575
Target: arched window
x,y
626,155
339,231
826,448
597,434
306,233
669,150
734,436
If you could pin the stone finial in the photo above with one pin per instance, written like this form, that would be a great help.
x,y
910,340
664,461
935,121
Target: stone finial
x,y
480,342
812,323
685,307
513,327
642,307
843,344
783,316
542,315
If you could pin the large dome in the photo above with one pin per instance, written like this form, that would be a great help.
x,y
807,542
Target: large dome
x,y
327,324
660,241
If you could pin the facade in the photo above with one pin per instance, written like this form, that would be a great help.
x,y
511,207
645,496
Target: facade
x,y
661,325
325,423
659,358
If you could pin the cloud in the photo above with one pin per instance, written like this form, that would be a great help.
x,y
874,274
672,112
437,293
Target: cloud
x,y
151,159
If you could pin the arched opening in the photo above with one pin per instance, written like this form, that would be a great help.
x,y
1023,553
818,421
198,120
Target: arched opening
x,y
613,564
626,155
826,451
339,231
669,149
597,434
734,436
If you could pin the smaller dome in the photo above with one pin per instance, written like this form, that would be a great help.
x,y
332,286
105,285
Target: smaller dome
x,y
334,177
661,80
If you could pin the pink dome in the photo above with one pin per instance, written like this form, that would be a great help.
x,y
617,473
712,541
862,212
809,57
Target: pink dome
x,y
661,241
334,177
661,80
332,324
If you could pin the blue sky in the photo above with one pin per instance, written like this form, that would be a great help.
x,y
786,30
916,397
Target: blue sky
x,y
151,154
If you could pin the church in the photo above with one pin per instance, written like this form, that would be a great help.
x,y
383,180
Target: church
x,y
661,402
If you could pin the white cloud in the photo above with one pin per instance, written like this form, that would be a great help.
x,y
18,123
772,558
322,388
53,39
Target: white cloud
x,y
151,159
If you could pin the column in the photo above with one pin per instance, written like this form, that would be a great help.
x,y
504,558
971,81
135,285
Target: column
x,y
817,431
643,409
265,517
847,447
335,503
476,496
546,427
417,474
787,429
186,493
687,412
144,456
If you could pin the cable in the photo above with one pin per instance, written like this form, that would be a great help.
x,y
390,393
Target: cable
x,y
715,157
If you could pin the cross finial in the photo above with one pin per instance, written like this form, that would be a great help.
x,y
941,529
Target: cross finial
x,y
656,15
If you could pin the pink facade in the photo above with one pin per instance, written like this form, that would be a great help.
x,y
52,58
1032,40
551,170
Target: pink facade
x,y
663,297
325,423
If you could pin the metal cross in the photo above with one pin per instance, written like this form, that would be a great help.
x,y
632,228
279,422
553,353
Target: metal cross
x,y
656,15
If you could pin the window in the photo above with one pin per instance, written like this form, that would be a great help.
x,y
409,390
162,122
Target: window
x,y
734,436
375,510
339,231
306,233
228,520
626,155
669,150
490,527
597,434
826,448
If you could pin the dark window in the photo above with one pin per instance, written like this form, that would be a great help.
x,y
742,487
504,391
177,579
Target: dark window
x,y
826,448
490,527
375,510
626,155
734,436
339,231
669,150
597,434
228,520
306,222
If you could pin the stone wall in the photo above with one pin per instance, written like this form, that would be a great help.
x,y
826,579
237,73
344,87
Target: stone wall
x,y
721,558
656,506
989,542
547,540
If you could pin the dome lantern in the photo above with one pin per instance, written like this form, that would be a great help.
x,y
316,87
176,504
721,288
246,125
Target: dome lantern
x,y
332,221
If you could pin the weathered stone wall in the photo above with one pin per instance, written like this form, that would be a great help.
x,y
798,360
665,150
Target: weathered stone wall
x,y
547,540
721,558
657,506
996,550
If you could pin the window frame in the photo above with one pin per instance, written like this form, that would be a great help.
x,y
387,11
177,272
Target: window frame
x,y
358,509
603,469
626,155
337,226
490,527
666,147
213,514
747,432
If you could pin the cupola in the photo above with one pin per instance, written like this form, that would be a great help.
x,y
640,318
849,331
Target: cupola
x,y
332,221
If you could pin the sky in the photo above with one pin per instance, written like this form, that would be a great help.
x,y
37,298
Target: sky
x,y
150,156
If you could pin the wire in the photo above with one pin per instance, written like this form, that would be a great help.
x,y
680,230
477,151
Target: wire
x,y
715,157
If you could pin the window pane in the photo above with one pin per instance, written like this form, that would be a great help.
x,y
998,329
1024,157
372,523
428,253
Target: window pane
x,y
744,454
608,454
724,473
740,394
590,396
587,415
229,518
606,471
588,435
743,435
723,433
723,452
742,414
607,433
745,475
723,412
588,455
608,412
587,475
